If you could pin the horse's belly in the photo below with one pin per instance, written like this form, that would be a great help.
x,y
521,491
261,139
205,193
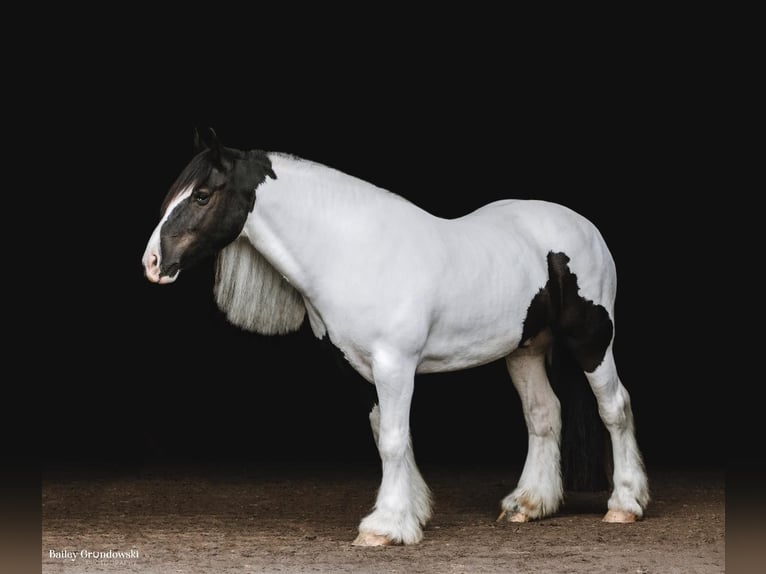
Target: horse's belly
x,y
451,347
467,357
484,296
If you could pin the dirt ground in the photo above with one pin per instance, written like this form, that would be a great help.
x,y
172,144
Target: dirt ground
x,y
291,520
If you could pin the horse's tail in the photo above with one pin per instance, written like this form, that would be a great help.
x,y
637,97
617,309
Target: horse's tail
x,y
585,447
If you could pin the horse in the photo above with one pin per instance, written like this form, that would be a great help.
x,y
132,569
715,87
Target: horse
x,y
399,292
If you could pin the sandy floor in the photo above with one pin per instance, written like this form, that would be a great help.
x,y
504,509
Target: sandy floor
x,y
293,520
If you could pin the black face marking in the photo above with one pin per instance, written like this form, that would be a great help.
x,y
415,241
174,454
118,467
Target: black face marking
x,y
223,183
583,326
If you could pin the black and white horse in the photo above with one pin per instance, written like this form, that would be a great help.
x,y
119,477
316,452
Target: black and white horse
x,y
400,292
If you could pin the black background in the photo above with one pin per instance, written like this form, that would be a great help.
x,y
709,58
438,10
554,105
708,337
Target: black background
x,y
154,373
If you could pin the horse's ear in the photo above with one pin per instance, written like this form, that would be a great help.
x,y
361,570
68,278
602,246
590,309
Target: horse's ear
x,y
208,140
198,145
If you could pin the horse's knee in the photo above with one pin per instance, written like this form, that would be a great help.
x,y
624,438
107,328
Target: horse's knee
x,y
392,442
392,445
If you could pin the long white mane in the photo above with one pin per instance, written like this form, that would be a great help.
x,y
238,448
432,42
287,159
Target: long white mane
x,y
253,294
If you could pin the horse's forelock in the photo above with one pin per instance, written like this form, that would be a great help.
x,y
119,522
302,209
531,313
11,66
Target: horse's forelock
x,y
197,170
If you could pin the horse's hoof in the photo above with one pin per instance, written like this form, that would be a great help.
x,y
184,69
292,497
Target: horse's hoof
x,y
515,517
619,516
370,539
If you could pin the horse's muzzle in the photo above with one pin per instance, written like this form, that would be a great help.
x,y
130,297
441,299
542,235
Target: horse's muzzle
x,y
153,270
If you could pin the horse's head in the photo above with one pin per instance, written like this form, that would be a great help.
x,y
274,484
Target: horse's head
x,y
205,209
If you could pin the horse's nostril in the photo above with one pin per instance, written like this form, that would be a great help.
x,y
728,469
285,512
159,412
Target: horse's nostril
x,y
151,263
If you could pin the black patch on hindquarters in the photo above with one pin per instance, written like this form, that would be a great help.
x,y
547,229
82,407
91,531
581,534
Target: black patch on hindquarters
x,y
359,386
582,332
583,326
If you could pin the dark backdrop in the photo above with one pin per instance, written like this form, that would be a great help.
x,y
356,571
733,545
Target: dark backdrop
x,y
154,373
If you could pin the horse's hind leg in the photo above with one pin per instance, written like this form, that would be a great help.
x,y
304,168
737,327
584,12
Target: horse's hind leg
x,y
630,493
587,329
539,491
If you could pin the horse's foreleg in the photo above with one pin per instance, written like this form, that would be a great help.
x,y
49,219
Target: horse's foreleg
x,y
403,504
540,490
631,486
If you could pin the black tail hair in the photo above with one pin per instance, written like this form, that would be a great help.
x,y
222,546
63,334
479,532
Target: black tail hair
x,y
586,454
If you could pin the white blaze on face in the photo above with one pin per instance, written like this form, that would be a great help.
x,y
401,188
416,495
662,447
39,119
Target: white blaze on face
x,y
152,256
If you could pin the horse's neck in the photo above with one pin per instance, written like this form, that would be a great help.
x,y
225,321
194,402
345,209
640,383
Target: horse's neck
x,y
300,213
311,190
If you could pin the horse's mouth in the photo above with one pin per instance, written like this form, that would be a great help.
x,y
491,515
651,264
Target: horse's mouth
x,y
170,273
163,276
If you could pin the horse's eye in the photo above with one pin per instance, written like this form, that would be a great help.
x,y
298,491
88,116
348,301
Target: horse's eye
x,y
201,197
